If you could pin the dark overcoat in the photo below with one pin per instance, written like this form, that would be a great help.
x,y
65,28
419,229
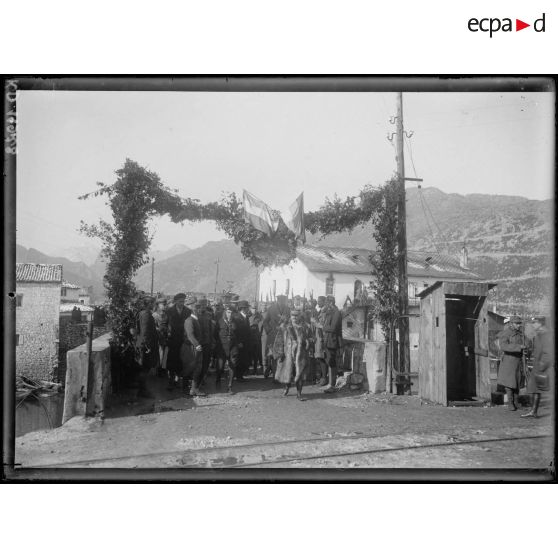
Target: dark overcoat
x,y
511,343
543,362
147,346
175,321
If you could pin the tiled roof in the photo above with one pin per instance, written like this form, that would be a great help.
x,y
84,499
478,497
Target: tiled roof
x,y
70,285
70,306
357,260
38,273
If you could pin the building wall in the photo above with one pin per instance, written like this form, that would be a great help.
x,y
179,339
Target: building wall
x,y
37,327
71,295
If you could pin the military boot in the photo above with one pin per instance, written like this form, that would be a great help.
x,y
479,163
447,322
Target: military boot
x,y
534,408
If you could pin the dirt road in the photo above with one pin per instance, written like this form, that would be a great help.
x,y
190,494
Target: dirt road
x,y
259,428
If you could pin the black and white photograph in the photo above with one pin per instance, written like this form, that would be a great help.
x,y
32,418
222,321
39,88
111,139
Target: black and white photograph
x,y
281,277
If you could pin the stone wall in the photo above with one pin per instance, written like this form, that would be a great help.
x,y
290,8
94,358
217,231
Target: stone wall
x,y
37,327
367,366
87,391
71,336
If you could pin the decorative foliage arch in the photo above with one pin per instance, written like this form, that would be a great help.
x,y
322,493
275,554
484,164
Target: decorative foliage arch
x,y
138,195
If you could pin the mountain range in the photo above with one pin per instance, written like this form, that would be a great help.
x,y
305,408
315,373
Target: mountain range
x,y
509,240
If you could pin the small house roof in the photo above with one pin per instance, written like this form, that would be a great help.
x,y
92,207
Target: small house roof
x,y
68,307
357,260
38,273
70,285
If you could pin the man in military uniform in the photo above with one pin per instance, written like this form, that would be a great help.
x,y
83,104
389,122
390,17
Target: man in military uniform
x,y
333,340
542,375
161,324
512,343
176,316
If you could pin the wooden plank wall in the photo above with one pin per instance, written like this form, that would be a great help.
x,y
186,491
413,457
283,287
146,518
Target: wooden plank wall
x,y
440,368
425,348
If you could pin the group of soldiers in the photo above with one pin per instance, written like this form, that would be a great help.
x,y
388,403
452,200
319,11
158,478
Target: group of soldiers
x,y
513,372
183,339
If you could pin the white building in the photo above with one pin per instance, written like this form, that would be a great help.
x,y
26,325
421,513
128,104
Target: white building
x,y
346,272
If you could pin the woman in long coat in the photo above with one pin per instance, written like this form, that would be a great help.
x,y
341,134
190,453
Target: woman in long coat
x,y
291,349
512,343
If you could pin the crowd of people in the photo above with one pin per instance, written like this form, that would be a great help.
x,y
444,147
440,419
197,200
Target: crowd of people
x,y
291,341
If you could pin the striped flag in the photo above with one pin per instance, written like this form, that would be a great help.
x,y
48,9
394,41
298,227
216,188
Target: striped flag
x,y
294,217
258,214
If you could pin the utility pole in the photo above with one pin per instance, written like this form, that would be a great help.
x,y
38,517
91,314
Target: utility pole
x,y
152,274
404,350
257,297
216,275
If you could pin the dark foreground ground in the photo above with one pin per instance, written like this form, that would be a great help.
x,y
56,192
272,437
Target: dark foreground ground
x,y
258,427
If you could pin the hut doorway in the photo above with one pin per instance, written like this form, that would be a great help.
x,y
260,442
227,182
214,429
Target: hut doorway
x,y
460,354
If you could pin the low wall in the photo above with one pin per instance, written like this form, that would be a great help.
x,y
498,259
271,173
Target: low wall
x,y
367,364
87,395
72,336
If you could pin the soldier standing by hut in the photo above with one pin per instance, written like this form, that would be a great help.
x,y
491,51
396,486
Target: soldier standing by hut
x,y
512,344
542,375
176,314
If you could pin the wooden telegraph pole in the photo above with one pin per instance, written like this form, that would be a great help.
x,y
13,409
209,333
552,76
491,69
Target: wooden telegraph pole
x,y
404,350
216,275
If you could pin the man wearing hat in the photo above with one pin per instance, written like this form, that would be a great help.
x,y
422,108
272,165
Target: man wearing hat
x,y
317,321
227,345
542,375
333,339
243,336
512,343
206,337
176,316
161,324
192,350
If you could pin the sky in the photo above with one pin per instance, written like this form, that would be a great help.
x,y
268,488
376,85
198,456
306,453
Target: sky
x,y
274,145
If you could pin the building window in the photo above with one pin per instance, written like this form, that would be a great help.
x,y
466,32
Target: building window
x,y
18,339
357,295
64,291
19,299
329,285
287,286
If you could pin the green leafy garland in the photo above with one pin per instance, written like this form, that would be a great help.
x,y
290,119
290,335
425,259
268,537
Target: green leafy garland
x,y
138,195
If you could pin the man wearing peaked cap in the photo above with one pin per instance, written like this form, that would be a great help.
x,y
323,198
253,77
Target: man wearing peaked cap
x,y
179,296
542,375
512,342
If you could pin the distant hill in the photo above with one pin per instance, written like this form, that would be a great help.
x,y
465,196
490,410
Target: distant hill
x,y
74,272
196,269
509,239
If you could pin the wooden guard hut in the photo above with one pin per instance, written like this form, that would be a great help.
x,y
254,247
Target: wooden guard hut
x,y
454,362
